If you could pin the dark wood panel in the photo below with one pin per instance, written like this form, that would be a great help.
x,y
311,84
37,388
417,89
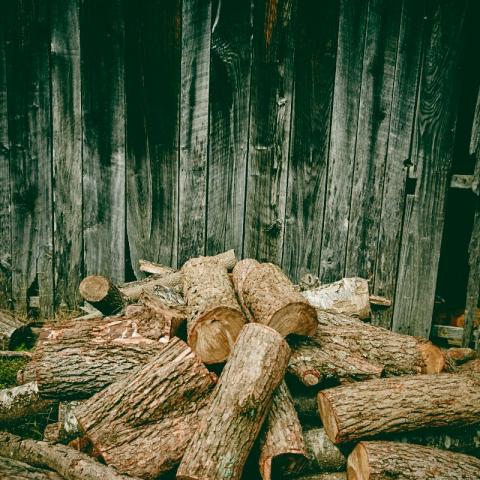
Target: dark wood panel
x,y
103,111
431,158
153,44
196,33
29,129
348,76
410,44
315,55
230,67
67,150
271,106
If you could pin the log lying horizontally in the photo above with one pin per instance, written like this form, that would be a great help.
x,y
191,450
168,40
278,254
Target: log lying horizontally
x,y
282,448
102,294
381,460
326,476
13,331
401,404
238,407
15,470
272,299
142,424
214,316
69,463
74,360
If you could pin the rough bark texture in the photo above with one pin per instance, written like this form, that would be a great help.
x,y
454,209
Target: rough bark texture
x,y
348,296
8,325
133,290
15,470
74,360
326,476
142,424
154,268
471,367
239,405
323,455
461,355
214,316
239,274
381,460
273,300
102,294
69,463
282,449
16,403
8,355
401,404
67,427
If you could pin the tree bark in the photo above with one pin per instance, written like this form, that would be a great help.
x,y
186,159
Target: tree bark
x,y
473,366
9,326
155,268
401,404
15,470
69,463
67,427
323,455
381,460
238,407
325,476
74,360
282,448
9,355
16,403
158,404
102,294
214,316
273,300
461,355
240,272
348,296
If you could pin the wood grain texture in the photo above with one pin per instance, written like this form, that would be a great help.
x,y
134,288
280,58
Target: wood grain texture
x,y
271,105
67,150
102,69
346,100
194,104
152,43
407,68
29,130
316,47
431,158
231,56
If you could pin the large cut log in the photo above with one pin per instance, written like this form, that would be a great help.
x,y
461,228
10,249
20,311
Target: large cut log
x,y
10,328
239,405
102,294
272,299
69,463
15,470
325,476
17,403
214,316
141,424
74,360
348,296
381,460
347,349
282,448
401,404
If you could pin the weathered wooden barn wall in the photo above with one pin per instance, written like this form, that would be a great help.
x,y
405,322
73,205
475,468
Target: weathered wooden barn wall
x,y
315,134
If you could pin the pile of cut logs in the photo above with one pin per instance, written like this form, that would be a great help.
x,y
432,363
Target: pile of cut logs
x,y
227,370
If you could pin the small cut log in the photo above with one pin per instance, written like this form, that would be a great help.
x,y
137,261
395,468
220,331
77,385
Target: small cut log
x,y
238,407
380,460
461,355
11,327
323,455
401,404
102,294
142,424
155,268
215,318
15,470
473,366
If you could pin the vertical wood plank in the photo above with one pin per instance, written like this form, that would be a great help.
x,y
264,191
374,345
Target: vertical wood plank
x,y
431,158
229,119
351,40
67,150
103,113
5,198
271,105
29,129
153,48
196,33
315,56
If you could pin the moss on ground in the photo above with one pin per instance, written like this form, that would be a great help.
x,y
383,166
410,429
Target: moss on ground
x,y
8,371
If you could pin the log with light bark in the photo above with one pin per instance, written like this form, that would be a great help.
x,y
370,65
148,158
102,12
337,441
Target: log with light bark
x,y
215,317
380,460
401,404
69,463
102,294
238,407
155,268
9,355
240,272
325,476
10,328
15,470
17,403
473,366
67,427
348,296
460,355
323,455
74,360
282,448
272,299
158,404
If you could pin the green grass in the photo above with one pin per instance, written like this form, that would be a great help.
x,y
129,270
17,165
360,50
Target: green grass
x,y
8,371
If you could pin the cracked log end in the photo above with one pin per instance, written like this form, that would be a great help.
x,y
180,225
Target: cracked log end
x,y
358,467
327,415
299,318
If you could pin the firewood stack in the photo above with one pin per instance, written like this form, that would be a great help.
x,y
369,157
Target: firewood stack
x,y
227,370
